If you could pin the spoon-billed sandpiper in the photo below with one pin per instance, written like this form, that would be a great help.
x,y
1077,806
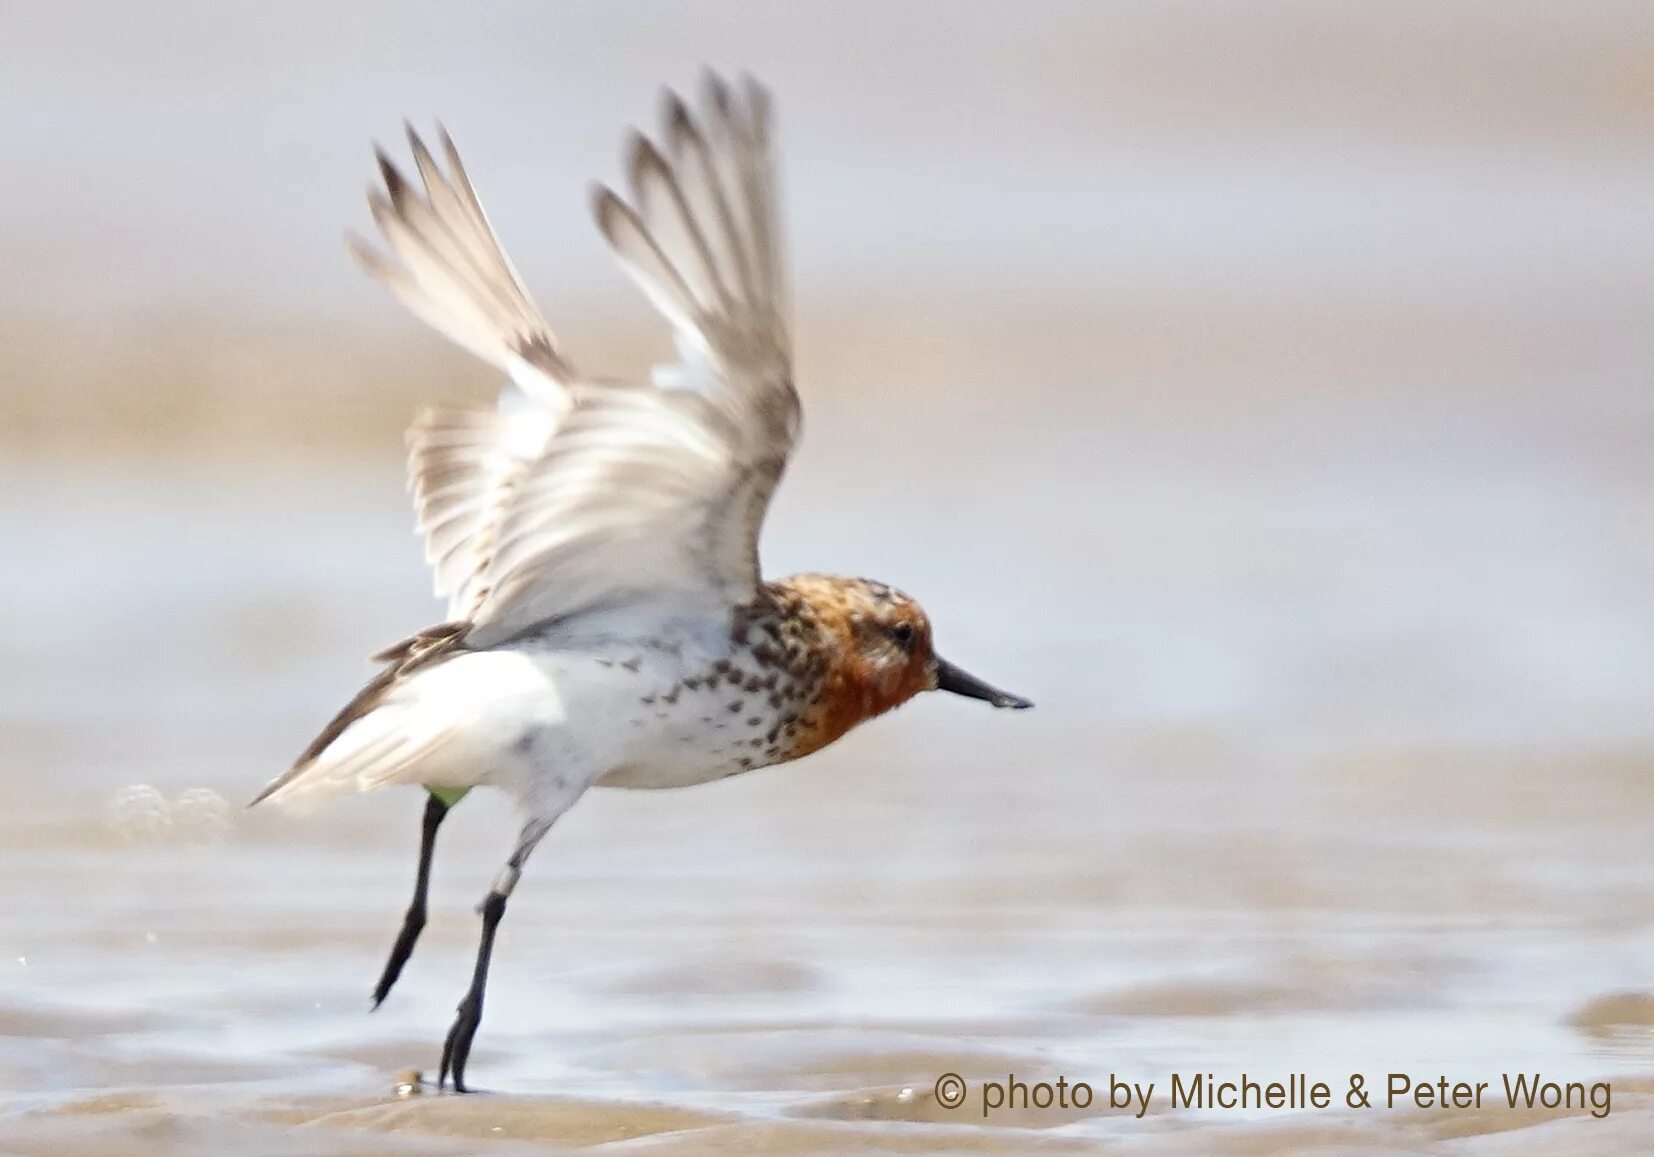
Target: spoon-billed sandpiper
x,y
597,543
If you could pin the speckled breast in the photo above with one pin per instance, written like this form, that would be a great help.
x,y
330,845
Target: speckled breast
x,y
758,705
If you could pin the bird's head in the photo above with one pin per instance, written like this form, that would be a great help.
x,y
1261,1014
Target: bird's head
x,y
881,652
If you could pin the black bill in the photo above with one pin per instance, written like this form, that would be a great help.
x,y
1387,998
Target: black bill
x,y
951,678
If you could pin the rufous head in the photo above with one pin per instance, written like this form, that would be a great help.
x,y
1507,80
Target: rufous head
x,y
882,652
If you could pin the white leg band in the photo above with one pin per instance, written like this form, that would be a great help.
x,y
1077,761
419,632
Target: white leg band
x,y
507,879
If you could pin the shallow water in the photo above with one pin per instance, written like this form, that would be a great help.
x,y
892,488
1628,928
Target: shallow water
x,y
1340,764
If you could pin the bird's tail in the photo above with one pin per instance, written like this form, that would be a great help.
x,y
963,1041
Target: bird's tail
x,y
383,735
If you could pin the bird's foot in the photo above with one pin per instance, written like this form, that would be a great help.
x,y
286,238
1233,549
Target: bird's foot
x,y
456,1050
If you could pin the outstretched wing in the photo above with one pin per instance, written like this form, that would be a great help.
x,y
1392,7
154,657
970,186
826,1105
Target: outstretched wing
x,y
451,272
590,496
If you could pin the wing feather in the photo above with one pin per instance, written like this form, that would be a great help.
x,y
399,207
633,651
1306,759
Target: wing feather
x,y
450,270
704,192
463,467
575,496
640,256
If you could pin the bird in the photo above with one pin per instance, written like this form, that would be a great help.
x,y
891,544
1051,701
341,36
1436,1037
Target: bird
x,y
608,623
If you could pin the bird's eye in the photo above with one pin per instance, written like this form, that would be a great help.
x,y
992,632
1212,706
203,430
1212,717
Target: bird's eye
x,y
903,634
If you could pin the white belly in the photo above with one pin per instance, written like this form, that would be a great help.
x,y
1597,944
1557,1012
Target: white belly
x,y
650,718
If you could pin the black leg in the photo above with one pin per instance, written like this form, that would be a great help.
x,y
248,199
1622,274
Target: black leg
x,y
456,1050
414,921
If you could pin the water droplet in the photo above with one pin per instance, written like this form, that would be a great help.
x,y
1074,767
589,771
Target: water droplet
x,y
139,814
200,815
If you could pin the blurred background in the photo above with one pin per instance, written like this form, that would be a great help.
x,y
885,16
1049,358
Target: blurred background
x,y
1264,389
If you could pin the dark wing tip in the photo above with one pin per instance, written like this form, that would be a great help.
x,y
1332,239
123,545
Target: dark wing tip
x,y
269,789
450,149
672,106
676,122
641,155
395,184
714,89
607,207
604,200
416,144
